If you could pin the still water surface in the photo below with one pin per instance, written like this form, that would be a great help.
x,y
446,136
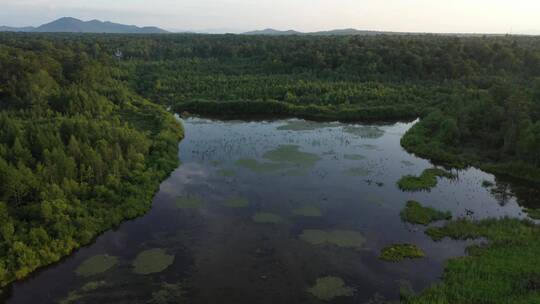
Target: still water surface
x,y
233,213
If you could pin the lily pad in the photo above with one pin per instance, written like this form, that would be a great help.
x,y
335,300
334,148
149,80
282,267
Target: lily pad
x,y
267,218
152,261
96,265
308,211
260,167
328,288
292,154
236,202
358,171
188,202
340,238
399,252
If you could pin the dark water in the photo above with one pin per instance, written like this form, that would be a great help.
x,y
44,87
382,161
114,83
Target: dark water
x,y
221,255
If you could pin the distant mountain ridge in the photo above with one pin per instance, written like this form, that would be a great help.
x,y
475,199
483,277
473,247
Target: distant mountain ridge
x,y
73,25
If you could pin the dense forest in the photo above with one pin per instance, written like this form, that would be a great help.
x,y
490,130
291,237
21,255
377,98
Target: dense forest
x,y
79,152
85,139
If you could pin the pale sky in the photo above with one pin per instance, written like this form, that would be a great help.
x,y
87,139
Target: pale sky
x,y
464,16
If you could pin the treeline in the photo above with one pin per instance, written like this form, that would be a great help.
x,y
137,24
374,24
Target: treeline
x,y
79,152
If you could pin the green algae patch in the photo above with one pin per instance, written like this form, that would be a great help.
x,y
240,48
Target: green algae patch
x,y
425,182
357,172
227,172
308,211
340,238
415,213
399,252
292,154
77,295
236,202
152,261
364,131
260,167
267,218
328,288
354,157
96,265
189,202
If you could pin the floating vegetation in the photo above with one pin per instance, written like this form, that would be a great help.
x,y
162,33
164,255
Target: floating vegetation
x,y
328,288
303,125
533,213
364,131
96,265
369,147
399,252
260,167
152,261
340,238
354,157
291,154
407,163
189,202
226,172
267,218
415,213
77,295
168,293
358,171
425,182
308,211
236,202
216,163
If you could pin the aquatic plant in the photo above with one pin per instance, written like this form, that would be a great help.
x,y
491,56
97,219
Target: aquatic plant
x,y
236,202
399,252
267,218
426,181
354,156
328,288
371,132
292,154
189,202
415,213
152,261
77,295
533,213
96,265
504,269
358,171
303,125
168,293
296,172
260,167
340,238
227,172
407,163
308,211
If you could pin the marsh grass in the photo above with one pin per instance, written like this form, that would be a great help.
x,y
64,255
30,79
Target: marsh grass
x,y
260,167
267,218
292,154
189,202
308,211
399,252
415,213
226,172
152,261
354,157
328,288
169,293
504,270
304,125
425,182
533,213
96,265
77,295
340,238
370,132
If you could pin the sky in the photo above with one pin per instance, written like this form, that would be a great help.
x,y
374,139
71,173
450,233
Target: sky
x,y
438,16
